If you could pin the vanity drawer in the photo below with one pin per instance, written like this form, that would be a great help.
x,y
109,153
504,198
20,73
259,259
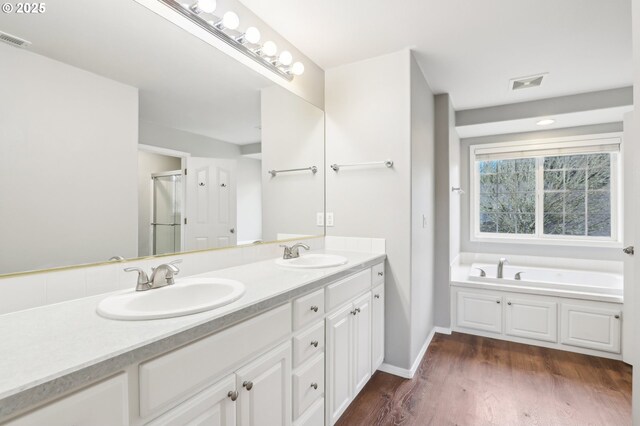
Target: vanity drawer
x,y
307,309
378,273
105,403
169,379
308,343
348,288
308,385
314,416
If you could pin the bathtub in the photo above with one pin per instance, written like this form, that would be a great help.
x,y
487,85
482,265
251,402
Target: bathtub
x,y
591,285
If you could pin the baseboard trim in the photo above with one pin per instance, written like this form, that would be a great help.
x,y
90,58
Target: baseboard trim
x,y
406,373
442,330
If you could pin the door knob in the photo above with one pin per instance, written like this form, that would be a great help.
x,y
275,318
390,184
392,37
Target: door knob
x,y
628,250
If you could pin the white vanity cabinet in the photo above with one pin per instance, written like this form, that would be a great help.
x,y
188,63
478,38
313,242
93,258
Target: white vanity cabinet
x,y
532,318
348,354
479,311
377,327
104,403
594,327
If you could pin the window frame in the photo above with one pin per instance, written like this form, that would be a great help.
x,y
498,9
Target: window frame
x,y
539,237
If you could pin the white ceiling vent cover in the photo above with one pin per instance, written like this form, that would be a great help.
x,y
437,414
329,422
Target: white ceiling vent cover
x,y
526,82
13,40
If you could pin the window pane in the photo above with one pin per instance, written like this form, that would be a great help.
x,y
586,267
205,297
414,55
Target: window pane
x,y
577,195
507,196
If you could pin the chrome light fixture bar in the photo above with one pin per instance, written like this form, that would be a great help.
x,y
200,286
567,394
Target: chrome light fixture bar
x,y
235,42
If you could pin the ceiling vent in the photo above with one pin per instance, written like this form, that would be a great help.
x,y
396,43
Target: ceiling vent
x,y
13,40
526,82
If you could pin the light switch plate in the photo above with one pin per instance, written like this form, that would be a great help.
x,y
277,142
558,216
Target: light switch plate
x,y
320,219
329,219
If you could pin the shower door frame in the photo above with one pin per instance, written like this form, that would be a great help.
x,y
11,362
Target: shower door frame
x,y
177,187
183,165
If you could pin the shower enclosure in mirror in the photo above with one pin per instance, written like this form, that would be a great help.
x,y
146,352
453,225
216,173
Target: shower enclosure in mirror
x,y
117,142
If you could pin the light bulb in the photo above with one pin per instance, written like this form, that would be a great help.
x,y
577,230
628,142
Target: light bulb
x,y
297,68
546,122
269,48
285,58
206,6
230,20
252,35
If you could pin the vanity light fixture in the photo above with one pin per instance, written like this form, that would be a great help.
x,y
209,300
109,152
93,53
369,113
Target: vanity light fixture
x,y
546,122
266,55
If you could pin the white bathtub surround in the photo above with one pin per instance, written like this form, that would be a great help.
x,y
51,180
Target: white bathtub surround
x,y
567,304
82,347
47,287
366,245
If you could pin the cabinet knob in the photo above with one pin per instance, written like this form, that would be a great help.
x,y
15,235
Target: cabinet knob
x,y
357,310
617,316
380,274
314,308
314,343
353,312
377,296
247,385
498,302
233,395
314,385
509,303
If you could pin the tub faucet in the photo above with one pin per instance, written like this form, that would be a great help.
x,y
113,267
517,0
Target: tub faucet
x,y
501,264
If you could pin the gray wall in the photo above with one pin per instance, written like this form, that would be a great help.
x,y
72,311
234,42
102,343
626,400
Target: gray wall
x,y
149,163
372,116
292,137
68,165
527,249
423,219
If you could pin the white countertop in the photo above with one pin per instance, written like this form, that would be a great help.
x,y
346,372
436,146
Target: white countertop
x,y
46,343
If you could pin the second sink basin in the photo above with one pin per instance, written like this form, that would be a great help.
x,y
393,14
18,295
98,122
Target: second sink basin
x,y
187,296
312,261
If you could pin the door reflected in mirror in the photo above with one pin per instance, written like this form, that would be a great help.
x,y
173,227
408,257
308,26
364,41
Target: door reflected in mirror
x,y
138,144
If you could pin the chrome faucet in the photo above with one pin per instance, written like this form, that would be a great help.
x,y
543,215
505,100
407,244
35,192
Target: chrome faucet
x,y
501,264
161,276
293,251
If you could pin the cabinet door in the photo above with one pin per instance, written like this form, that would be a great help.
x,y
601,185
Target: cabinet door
x,y
212,407
591,327
479,311
339,372
377,328
532,318
264,388
361,342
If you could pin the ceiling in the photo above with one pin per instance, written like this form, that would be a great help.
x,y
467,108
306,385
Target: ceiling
x,y
470,48
183,82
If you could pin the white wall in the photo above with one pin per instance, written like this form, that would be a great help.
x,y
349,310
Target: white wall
x,y
149,163
180,140
249,192
68,164
369,118
423,219
527,249
292,137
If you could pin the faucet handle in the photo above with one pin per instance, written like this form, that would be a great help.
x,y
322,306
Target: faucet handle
x,y
143,278
175,262
519,275
482,272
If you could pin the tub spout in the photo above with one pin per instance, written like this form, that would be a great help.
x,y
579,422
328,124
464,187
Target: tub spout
x,y
501,264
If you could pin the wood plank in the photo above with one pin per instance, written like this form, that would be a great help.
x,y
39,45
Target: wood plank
x,y
473,380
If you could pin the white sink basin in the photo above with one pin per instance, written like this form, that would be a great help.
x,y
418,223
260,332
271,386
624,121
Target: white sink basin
x,y
187,296
313,261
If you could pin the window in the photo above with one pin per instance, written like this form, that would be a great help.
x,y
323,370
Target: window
x,y
545,191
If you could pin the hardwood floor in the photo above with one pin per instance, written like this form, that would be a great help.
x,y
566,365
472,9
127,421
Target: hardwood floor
x,y
471,380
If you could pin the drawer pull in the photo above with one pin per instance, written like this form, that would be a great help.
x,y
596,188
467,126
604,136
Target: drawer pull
x,y
376,296
617,316
380,274
509,303
354,313
358,310
314,343
247,385
314,385
233,395
314,308
498,302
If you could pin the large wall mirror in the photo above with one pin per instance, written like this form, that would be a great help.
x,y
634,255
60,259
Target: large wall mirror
x,y
117,142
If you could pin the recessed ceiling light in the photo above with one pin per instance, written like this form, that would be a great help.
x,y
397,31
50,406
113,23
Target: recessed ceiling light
x,y
546,122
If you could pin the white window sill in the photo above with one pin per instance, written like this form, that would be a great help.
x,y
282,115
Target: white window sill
x,y
547,242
